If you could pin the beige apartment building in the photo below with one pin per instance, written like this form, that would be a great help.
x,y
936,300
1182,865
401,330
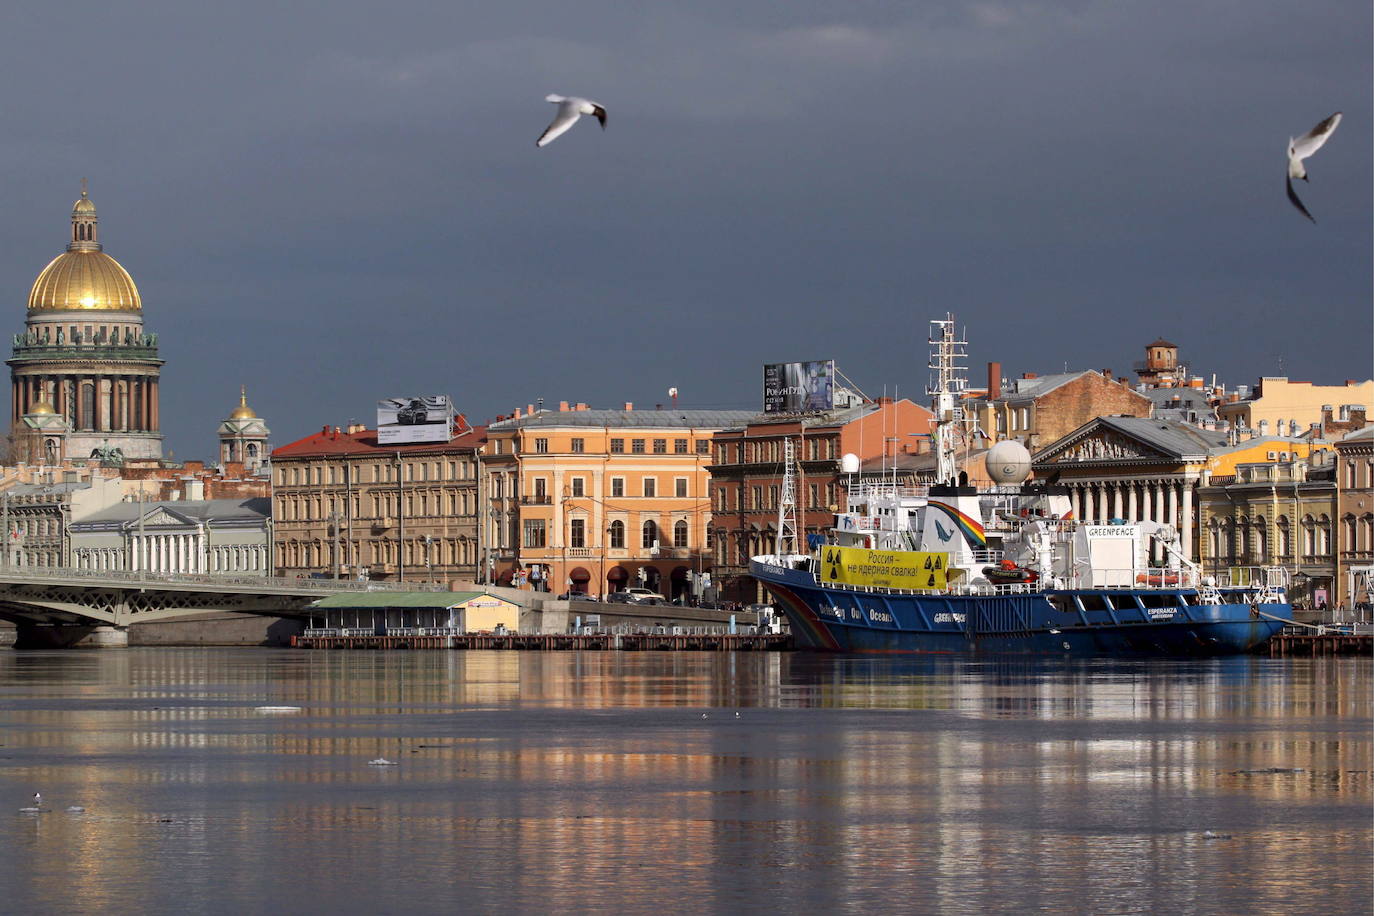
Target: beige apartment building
x,y
596,501
345,506
1285,408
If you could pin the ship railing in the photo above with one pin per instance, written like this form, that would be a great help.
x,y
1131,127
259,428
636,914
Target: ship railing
x,y
1139,577
987,556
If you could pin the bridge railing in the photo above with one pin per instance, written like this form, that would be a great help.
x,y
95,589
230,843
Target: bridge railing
x,y
123,577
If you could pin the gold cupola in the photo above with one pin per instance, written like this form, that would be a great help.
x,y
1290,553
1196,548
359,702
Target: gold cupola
x,y
84,278
243,411
43,408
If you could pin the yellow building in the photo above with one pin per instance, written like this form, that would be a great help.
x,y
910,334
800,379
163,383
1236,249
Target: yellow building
x,y
595,501
1283,407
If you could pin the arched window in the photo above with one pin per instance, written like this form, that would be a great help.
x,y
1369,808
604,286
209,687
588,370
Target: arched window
x,y
680,533
1214,538
618,534
1260,544
1309,536
1284,537
1229,538
650,534
1365,543
1323,535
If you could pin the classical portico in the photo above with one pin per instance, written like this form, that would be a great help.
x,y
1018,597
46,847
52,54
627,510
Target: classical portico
x,y
1134,469
84,356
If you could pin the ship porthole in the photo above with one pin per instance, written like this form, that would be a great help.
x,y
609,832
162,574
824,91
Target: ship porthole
x,y
1066,644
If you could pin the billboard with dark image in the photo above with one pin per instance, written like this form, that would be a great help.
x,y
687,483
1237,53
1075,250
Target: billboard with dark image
x,y
426,419
799,387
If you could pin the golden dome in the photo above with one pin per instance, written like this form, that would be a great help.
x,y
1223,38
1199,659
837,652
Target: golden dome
x,y
43,408
243,411
84,281
84,278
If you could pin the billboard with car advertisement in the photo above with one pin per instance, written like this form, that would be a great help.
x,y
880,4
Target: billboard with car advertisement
x,y
403,420
799,387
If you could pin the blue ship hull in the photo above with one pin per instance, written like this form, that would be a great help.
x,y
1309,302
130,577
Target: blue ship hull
x,y
1137,622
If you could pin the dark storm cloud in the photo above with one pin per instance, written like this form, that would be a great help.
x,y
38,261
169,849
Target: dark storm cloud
x,y
339,202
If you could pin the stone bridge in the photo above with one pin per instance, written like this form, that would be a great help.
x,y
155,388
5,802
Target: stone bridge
x,y
57,607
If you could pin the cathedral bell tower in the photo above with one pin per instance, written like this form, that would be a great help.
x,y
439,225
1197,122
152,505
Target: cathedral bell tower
x,y
84,362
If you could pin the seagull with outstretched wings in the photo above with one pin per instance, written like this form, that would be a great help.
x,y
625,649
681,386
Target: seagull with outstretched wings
x,y
570,108
1300,149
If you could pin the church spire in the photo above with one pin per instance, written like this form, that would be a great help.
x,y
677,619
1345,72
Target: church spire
x,y
85,234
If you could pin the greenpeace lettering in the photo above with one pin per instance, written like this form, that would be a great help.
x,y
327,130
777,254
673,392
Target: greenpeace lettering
x,y
884,568
1111,531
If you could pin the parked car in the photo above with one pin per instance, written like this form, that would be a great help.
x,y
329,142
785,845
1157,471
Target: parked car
x,y
645,596
576,596
620,598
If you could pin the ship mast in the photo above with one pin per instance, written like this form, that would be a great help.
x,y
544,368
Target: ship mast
x,y
946,389
787,503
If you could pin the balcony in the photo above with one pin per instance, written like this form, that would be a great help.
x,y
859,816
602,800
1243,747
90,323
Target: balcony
x,y
581,553
539,499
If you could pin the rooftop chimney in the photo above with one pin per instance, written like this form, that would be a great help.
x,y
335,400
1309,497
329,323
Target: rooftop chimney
x,y
1029,375
629,405
1107,374
562,406
994,380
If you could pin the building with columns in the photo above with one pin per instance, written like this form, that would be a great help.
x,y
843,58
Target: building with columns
x,y
229,537
1137,468
243,438
84,363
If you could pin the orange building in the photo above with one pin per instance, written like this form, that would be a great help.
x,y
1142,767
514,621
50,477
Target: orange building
x,y
595,501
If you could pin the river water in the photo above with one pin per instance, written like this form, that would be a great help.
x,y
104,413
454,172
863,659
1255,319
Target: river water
x,y
681,782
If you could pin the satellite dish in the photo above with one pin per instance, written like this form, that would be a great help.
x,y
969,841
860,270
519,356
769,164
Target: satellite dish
x,y
849,464
672,392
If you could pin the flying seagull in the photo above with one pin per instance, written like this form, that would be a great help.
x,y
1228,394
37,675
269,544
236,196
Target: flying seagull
x,y
570,108
1301,148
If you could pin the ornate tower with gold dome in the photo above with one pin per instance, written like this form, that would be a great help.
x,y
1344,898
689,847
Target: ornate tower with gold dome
x,y
84,356
243,437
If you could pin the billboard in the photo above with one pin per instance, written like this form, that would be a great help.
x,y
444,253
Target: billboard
x,y
799,387
884,568
402,420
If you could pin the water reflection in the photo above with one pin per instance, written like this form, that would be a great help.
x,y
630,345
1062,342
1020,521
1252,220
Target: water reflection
x,y
593,780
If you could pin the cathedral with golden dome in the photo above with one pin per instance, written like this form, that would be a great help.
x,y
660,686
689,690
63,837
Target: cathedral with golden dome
x,y
84,374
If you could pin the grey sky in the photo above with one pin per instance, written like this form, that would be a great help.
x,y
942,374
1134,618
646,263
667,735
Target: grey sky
x,y
338,202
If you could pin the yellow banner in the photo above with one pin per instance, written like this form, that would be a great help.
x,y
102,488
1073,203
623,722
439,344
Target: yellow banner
x,y
884,568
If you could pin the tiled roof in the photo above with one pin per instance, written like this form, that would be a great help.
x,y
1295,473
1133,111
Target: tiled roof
x,y
203,510
628,419
328,443
1169,436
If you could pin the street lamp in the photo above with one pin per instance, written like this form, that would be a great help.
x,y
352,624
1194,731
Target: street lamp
x,y
429,567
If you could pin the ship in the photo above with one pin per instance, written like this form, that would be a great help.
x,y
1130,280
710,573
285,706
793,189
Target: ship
x,y
948,567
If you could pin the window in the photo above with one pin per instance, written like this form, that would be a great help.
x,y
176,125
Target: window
x,y
534,532
541,488
703,446
579,486
617,486
637,446
579,446
650,486
773,497
541,446
650,535
617,446
814,495
756,495
680,533
680,487
660,446
617,532
577,533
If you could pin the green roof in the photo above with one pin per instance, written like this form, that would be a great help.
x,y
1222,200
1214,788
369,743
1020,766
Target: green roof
x,y
383,600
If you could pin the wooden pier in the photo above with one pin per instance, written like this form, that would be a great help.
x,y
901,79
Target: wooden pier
x,y
701,642
1323,643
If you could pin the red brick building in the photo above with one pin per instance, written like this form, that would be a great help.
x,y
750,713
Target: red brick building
x,y
747,476
1039,410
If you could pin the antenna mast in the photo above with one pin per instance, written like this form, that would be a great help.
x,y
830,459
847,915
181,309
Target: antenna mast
x,y
947,382
787,503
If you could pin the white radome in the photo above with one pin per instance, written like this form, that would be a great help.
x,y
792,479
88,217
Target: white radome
x,y
849,464
1008,462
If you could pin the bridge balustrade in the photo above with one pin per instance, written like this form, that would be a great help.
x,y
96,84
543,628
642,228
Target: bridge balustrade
x,y
46,573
